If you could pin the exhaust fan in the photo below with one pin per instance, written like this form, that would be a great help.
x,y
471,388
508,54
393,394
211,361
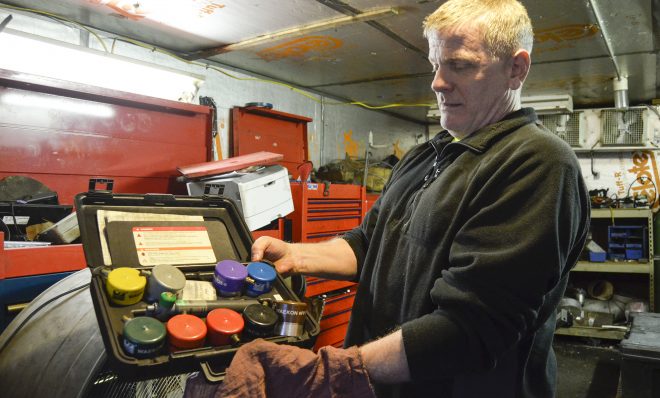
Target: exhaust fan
x,y
569,127
624,126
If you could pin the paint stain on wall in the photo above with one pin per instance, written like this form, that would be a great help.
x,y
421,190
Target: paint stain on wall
x,y
561,37
301,47
645,172
351,147
209,7
129,9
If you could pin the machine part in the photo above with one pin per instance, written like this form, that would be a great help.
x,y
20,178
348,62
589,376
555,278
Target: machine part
x,y
292,317
185,332
612,306
259,320
165,278
143,336
600,290
564,318
571,306
229,278
260,279
125,286
224,327
164,311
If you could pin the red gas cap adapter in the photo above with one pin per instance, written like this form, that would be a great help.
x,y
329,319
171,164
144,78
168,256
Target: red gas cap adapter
x,y
186,331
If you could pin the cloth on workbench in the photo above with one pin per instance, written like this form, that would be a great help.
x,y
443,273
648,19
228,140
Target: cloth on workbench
x,y
263,369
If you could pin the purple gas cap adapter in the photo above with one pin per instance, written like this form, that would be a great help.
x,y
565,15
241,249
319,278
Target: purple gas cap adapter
x,y
229,278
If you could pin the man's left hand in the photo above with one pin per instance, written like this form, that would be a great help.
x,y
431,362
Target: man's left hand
x,y
264,369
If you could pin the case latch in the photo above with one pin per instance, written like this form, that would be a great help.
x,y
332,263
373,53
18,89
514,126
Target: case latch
x,y
213,190
109,182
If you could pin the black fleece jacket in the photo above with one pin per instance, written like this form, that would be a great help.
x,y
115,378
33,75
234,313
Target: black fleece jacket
x,y
468,251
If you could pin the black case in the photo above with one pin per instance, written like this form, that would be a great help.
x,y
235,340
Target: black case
x,y
212,360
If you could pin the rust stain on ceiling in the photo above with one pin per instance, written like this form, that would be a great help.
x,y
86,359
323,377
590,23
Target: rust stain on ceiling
x,y
301,47
560,37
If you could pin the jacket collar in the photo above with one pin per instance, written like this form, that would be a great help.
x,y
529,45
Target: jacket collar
x,y
483,138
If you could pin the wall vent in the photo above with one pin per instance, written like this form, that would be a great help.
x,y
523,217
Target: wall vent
x,y
567,126
623,126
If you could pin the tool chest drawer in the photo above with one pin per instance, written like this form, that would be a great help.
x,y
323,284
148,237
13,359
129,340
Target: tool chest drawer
x,y
334,321
323,211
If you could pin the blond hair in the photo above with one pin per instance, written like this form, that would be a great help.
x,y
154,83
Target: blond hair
x,y
505,24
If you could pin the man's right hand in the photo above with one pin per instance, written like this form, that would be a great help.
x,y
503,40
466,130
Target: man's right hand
x,y
278,252
332,259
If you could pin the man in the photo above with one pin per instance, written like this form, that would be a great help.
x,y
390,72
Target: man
x,y
463,259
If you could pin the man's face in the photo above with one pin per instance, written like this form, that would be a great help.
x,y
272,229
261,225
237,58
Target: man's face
x,y
472,87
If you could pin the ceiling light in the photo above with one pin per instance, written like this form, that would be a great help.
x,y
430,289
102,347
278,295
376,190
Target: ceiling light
x,y
25,53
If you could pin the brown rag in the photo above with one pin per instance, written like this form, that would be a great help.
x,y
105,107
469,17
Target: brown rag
x,y
263,369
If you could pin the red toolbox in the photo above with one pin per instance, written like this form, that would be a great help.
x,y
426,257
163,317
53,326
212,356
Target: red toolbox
x,y
229,239
322,212
257,129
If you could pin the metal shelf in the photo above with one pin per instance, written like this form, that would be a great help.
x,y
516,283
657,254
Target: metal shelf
x,y
614,267
621,213
585,331
614,148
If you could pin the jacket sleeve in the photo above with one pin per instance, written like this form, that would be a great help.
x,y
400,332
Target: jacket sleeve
x,y
523,229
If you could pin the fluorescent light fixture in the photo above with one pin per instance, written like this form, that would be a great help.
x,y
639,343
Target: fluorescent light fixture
x,y
549,104
28,100
26,53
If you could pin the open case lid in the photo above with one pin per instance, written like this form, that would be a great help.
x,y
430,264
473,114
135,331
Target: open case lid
x,y
97,210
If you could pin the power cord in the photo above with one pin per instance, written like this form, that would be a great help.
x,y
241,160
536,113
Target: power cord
x,y
642,180
27,318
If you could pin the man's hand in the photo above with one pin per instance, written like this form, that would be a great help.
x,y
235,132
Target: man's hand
x,y
333,259
278,252
263,369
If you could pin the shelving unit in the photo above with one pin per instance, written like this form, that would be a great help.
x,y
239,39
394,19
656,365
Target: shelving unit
x,y
617,269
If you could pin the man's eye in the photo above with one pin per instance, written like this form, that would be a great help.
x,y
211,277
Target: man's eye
x,y
459,65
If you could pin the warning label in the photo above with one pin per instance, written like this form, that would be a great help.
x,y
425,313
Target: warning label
x,y
173,245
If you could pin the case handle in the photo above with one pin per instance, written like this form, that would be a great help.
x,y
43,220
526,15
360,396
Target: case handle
x,y
109,182
211,375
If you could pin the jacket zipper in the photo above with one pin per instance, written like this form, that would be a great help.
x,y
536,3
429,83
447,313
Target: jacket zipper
x,y
434,174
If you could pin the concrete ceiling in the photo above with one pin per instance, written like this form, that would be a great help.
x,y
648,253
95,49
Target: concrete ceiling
x,y
373,51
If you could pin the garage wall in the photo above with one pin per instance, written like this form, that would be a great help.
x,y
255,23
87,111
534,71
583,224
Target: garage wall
x,y
335,130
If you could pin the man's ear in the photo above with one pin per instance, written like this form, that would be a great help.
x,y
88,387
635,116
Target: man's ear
x,y
519,69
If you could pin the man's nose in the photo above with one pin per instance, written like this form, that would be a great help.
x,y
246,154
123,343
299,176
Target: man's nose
x,y
440,83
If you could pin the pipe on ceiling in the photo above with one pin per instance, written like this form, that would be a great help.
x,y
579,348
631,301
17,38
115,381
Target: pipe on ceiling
x,y
5,22
606,37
